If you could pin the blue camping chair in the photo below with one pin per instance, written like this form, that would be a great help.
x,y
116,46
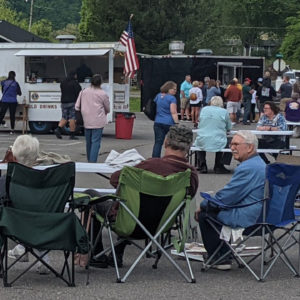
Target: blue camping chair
x,y
281,187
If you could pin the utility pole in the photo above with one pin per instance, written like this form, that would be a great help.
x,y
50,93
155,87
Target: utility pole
x,y
30,15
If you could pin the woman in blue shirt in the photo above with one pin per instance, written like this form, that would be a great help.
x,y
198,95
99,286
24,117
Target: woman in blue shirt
x,y
214,122
212,90
10,90
166,114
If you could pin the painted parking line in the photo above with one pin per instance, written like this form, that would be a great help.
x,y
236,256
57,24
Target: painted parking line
x,y
57,144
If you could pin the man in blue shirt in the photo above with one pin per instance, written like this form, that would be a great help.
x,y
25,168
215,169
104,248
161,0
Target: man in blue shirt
x,y
185,97
246,186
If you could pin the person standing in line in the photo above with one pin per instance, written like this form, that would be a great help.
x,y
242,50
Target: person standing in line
x,y
213,90
184,98
265,93
94,105
166,115
196,98
286,88
204,89
253,105
70,89
233,95
10,90
247,96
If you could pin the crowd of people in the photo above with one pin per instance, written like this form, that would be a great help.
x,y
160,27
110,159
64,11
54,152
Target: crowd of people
x,y
213,110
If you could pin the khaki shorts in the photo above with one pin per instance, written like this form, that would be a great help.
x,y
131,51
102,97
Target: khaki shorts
x,y
184,103
232,107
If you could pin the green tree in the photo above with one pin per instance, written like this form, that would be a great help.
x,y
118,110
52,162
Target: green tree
x,y
69,29
58,12
291,44
42,28
156,22
8,14
249,19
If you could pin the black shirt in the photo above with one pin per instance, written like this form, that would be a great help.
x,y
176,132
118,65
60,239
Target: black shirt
x,y
70,90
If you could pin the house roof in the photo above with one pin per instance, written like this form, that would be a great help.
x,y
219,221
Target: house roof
x,y
13,34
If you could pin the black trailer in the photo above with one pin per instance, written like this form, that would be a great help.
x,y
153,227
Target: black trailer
x,y
156,70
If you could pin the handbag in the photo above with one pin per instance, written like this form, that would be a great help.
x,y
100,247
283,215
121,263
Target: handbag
x,y
150,109
78,115
8,157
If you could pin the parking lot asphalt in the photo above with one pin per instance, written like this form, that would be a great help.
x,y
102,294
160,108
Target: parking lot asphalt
x,y
145,282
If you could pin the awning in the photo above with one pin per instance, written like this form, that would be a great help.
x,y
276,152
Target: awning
x,y
62,52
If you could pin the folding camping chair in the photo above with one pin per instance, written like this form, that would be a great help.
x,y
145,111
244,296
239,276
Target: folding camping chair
x,y
34,217
282,184
149,205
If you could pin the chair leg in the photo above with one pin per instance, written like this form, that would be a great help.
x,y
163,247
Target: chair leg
x,y
73,271
114,255
298,249
189,267
5,282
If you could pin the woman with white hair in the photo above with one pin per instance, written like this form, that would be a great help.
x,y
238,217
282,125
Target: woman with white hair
x,y
25,150
214,122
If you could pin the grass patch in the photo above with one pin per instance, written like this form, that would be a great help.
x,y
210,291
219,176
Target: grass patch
x,y
135,104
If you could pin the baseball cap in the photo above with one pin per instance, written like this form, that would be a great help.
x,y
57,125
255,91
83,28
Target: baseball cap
x,y
247,79
260,79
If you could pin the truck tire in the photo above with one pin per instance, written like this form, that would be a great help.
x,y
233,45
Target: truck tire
x,y
40,126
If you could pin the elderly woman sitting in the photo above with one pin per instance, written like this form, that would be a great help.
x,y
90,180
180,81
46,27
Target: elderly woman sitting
x,y
214,122
271,120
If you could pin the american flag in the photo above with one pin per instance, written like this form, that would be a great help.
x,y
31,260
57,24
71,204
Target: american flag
x,y
131,60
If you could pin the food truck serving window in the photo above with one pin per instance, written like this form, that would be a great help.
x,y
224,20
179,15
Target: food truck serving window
x,y
51,66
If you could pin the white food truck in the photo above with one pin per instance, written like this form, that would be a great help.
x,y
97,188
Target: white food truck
x,y
41,67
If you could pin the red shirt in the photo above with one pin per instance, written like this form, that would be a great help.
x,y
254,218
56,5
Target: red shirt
x,y
233,93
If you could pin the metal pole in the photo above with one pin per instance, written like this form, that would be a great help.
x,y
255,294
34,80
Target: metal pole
x,y
30,16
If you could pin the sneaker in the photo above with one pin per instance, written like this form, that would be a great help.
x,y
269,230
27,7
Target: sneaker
x,y
58,133
16,252
223,266
11,132
100,262
73,137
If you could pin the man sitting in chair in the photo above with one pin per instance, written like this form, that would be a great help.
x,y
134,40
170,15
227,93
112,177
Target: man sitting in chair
x,y
246,186
177,144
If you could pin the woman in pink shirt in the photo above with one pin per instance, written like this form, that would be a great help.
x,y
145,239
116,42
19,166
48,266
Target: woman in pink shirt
x,y
93,103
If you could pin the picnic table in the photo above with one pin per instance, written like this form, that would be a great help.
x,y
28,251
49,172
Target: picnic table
x,y
286,133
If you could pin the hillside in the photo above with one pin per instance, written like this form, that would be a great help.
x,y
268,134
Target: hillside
x,y
58,12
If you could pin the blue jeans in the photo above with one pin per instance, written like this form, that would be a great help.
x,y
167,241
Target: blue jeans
x,y
93,142
247,109
160,131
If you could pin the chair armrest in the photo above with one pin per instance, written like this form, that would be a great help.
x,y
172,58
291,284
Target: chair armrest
x,y
221,205
96,200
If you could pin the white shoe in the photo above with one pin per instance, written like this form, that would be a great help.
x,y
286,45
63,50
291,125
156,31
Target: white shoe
x,y
18,251
42,269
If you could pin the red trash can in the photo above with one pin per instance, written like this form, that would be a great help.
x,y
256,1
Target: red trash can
x,y
124,125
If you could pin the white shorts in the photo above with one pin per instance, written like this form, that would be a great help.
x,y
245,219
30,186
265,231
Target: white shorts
x,y
232,107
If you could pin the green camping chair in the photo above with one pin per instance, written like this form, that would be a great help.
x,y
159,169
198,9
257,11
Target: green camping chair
x,y
34,217
149,205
